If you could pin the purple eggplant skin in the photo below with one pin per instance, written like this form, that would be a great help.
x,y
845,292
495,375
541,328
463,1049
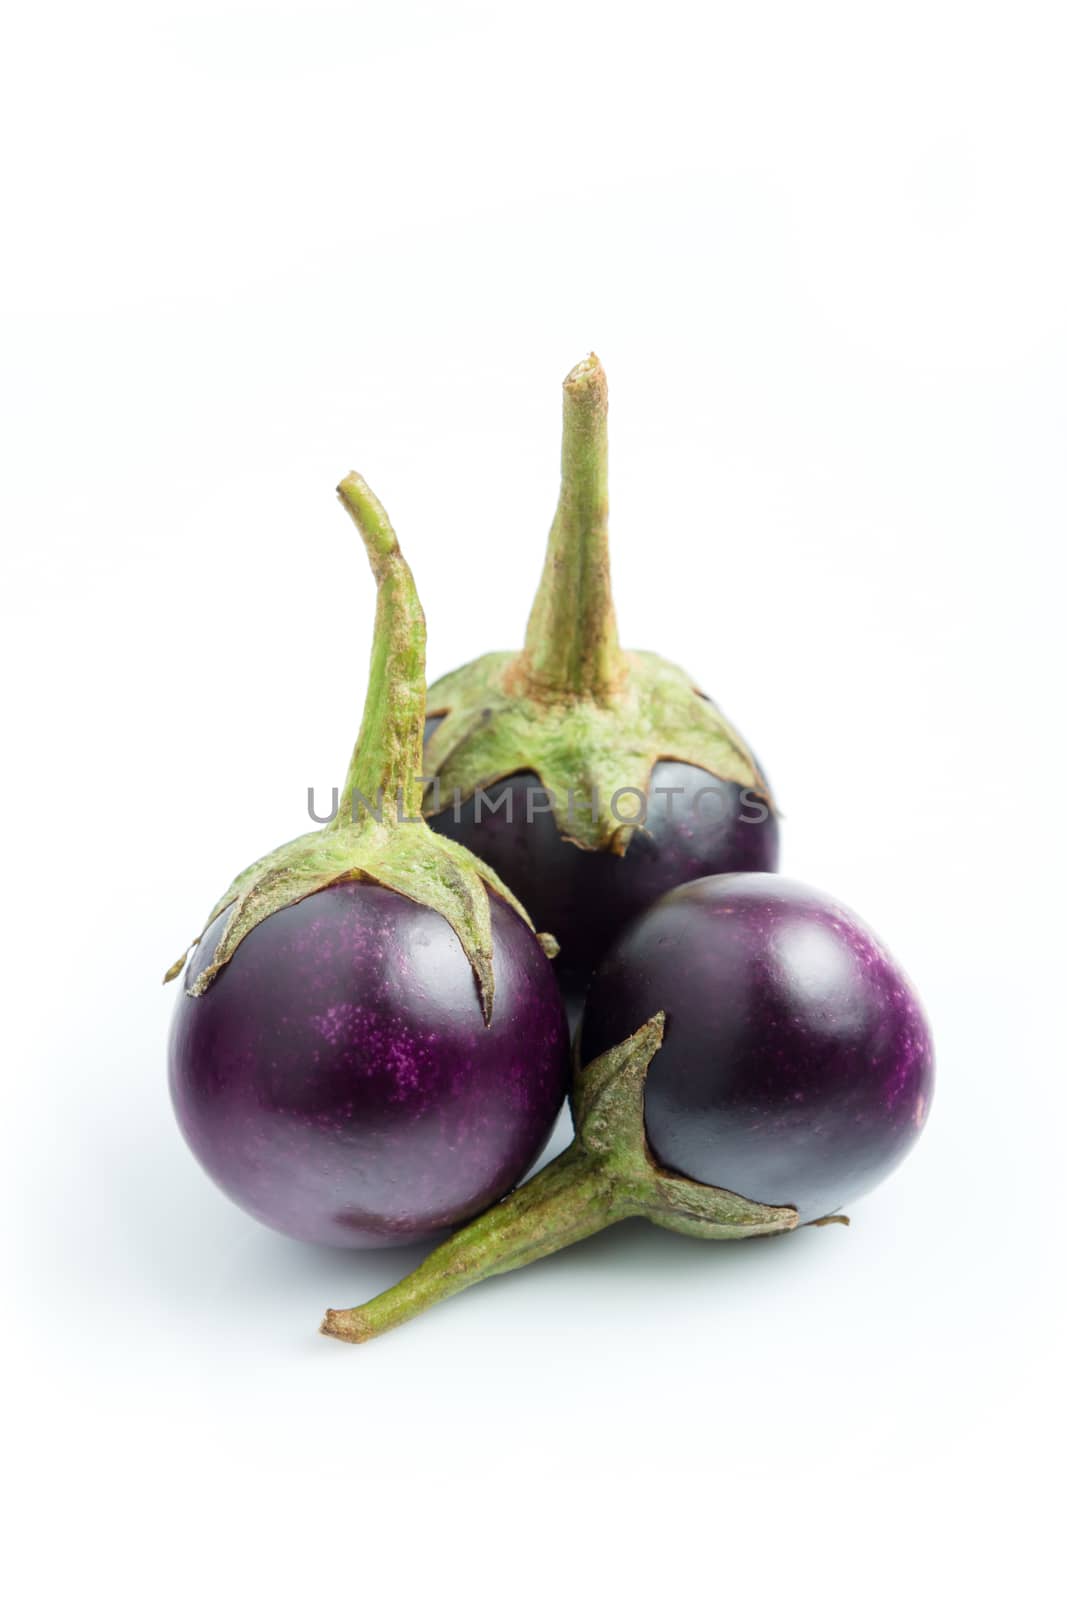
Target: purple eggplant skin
x,y
797,1066
586,897
338,1080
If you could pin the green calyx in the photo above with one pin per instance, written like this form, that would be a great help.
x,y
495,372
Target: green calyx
x,y
607,1174
378,833
589,718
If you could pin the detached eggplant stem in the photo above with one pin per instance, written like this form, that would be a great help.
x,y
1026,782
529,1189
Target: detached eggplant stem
x,y
608,1173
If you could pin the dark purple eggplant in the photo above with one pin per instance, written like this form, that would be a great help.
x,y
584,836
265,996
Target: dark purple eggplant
x,y
370,1044
775,1065
797,1066
592,779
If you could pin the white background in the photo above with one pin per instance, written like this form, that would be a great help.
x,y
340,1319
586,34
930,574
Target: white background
x,y
821,250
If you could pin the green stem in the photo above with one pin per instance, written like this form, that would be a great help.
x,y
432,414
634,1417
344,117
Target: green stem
x,y
572,643
568,1200
387,759
608,1173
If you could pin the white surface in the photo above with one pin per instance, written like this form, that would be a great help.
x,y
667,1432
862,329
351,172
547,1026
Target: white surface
x,y
821,251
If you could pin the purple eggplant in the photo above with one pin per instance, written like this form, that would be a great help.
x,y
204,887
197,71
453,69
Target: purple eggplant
x,y
797,1066
774,1065
591,778
370,1045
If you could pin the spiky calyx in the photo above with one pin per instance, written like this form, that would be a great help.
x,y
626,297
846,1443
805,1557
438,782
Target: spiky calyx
x,y
585,751
607,1174
378,833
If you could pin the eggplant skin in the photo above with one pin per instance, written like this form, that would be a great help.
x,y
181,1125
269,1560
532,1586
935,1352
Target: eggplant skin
x,y
585,897
337,1080
797,1066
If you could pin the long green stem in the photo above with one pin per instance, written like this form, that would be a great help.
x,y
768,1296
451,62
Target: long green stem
x,y
568,1200
572,643
387,759
608,1173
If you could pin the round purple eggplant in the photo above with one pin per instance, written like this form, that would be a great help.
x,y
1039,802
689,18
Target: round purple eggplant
x,y
370,1045
797,1066
753,1060
338,1081
591,778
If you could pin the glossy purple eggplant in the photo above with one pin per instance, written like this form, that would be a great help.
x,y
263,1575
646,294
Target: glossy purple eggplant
x,y
338,1080
796,1067
370,1043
